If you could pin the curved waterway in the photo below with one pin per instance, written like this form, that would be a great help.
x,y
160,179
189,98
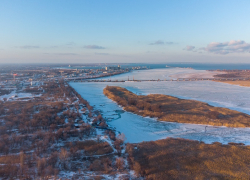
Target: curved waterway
x,y
138,129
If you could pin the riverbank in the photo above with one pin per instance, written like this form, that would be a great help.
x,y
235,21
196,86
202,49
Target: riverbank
x,y
172,109
197,74
236,82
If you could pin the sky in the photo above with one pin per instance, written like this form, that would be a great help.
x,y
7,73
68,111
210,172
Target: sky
x,y
131,31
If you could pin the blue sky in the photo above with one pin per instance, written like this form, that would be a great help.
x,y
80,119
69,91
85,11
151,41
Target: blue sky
x,y
86,31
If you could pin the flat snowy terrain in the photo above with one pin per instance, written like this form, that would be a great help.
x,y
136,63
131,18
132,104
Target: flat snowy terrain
x,y
138,129
17,96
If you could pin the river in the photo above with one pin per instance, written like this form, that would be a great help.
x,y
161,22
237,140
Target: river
x,y
138,129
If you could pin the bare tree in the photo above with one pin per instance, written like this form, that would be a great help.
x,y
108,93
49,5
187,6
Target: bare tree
x,y
121,137
21,161
119,163
64,157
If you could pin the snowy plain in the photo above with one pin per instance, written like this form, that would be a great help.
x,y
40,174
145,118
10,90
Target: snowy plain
x,y
138,129
17,96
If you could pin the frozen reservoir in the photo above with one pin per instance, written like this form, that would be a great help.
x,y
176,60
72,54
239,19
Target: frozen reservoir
x,y
138,129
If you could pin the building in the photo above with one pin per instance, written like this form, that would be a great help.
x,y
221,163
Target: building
x,y
113,68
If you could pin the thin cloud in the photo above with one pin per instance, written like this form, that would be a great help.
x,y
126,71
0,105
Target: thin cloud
x,y
94,47
189,48
67,54
234,46
70,43
102,54
29,47
153,52
160,42
53,47
62,54
169,43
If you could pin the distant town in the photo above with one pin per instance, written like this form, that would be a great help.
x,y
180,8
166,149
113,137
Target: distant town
x,y
17,78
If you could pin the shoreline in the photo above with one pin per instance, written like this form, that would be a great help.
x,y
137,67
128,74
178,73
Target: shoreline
x,y
241,83
202,74
171,109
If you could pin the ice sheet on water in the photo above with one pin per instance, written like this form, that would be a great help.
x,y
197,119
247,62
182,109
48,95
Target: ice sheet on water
x,y
162,74
137,129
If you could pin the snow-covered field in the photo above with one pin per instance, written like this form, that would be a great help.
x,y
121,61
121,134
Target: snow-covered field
x,y
17,96
138,129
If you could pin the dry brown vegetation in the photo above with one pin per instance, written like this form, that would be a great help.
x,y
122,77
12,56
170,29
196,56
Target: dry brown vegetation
x,y
172,109
235,77
91,147
186,159
233,74
44,136
236,82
